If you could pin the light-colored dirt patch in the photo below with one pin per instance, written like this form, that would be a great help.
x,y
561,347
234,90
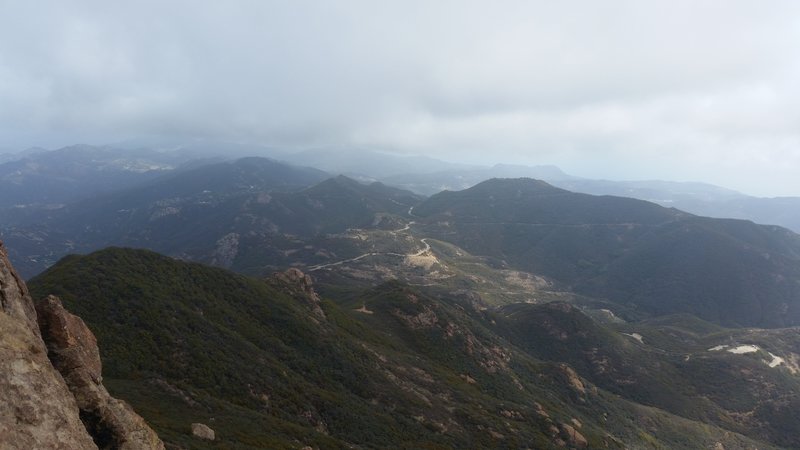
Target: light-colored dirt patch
x,y
425,261
525,280
792,363
773,362
742,349
776,360
363,309
609,312
468,378
636,336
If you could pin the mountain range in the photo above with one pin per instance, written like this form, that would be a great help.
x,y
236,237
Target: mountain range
x,y
632,252
38,178
289,307
253,215
697,198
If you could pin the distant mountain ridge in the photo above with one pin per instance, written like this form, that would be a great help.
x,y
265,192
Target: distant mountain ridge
x,y
253,215
67,174
205,213
359,163
43,178
630,251
697,198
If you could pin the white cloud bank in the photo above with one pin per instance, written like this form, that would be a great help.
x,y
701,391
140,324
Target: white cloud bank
x,y
702,90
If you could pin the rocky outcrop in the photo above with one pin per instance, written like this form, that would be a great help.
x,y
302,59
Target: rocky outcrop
x,y
203,431
50,379
15,300
571,378
573,437
73,351
37,409
226,250
301,287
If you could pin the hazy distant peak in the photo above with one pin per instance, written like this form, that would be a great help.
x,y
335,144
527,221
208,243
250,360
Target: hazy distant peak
x,y
522,184
370,163
337,183
545,172
257,160
344,181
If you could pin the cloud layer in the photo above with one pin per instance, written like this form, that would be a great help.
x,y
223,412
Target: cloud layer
x,y
675,89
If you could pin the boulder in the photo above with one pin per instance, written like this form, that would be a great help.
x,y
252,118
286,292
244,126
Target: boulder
x,y
573,437
203,431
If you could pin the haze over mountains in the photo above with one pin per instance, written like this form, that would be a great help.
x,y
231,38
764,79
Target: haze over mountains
x,y
352,224
42,177
345,311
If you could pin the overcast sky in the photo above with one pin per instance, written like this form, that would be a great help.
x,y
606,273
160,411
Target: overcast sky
x,y
681,90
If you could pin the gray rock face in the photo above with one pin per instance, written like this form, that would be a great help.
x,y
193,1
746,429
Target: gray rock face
x,y
37,409
51,382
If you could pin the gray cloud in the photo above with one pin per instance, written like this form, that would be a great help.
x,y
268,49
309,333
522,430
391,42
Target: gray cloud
x,y
680,90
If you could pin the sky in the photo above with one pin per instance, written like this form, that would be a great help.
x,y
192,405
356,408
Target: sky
x,y
678,90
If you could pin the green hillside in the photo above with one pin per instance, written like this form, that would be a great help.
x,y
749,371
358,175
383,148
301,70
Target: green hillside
x,y
268,364
667,363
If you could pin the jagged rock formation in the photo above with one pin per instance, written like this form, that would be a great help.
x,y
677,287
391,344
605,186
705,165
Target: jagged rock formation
x,y
301,287
39,409
73,351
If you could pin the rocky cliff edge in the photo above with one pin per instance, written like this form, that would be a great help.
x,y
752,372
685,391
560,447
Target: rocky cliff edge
x,y
51,379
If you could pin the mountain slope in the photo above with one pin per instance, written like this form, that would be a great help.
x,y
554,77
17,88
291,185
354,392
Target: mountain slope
x,y
278,367
175,211
676,363
629,251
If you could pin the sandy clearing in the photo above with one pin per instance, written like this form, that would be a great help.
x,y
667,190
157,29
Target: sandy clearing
x,y
776,360
742,349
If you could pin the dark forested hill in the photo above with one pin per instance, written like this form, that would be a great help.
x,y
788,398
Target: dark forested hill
x,y
180,210
630,251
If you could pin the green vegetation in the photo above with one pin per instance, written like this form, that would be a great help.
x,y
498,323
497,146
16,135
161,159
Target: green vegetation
x,y
251,358
631,252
